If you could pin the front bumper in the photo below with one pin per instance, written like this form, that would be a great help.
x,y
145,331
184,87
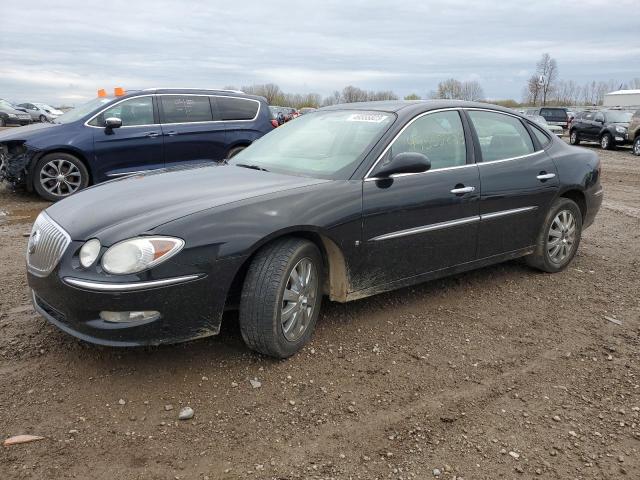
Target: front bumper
x,y
189,309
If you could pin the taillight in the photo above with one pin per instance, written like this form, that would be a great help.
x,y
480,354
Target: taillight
x,y
274,122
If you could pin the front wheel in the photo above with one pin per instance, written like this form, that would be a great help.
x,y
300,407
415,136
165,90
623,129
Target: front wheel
x,y
606,142
281,297
58,175
43,119
573,138
636,146
559,237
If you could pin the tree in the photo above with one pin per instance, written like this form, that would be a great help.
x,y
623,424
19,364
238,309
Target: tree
x,y
351,94
471,91
412,96
449,89
547,71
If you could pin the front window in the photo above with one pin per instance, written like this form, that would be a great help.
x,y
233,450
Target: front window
x,y
323,144
501,136
132,112
439,136
619,117
83,110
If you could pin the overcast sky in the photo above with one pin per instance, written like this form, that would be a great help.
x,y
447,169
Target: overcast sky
x,y
62,52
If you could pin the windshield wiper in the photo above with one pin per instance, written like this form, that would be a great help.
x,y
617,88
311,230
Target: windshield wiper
x,y
252,167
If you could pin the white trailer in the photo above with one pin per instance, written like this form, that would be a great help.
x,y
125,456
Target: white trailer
x,y
622,98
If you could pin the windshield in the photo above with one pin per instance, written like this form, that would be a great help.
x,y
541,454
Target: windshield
x,y
329,144
619,117
83,110
5,104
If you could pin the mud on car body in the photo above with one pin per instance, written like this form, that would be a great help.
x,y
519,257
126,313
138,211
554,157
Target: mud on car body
x,y
141,131
344,202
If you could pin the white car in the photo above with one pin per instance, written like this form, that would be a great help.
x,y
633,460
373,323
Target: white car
x,y
41,112
555,129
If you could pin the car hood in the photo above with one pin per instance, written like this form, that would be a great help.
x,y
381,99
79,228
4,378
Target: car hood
x,y
26,133
133,205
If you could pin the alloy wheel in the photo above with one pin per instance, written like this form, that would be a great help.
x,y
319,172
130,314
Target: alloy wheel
x,y
636,146
604,142
561,237
574,137
299,299
60,177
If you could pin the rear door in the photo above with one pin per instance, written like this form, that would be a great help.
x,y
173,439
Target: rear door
x,y
191,129
135,146
519,182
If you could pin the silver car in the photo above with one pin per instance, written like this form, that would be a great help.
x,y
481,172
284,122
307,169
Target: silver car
x,y
41,112
540,120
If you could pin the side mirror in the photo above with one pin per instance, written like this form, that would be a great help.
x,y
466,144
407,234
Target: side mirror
x,y
405,162
112,122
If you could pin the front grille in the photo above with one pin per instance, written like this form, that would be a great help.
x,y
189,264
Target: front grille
x,y
47,243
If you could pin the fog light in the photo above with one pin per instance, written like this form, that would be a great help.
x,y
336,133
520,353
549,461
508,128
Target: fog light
x,y
125,317
619,139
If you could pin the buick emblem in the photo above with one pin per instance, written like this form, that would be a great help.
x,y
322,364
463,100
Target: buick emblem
x,y
33,241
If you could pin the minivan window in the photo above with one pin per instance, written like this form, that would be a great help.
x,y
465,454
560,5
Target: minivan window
x,y
501,136
185,108
133,111
237,108
439,136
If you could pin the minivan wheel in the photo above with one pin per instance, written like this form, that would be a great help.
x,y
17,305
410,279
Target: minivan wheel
x,y
606,142
559,237
281,297
573,138
58,175
234,151
636,146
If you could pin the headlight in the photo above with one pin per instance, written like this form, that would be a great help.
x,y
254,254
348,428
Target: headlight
x,y
89,252
137,254
621,130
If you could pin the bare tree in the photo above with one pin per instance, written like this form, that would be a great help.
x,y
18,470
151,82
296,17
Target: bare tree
x,y
449,89
547,71
412,96
471,91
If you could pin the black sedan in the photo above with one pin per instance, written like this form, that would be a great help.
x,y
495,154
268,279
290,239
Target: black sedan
x,y
345,202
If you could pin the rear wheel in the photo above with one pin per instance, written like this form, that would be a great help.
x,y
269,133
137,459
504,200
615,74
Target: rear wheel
x,y
606,142
573,138
559,237
636,146
58,175
281,297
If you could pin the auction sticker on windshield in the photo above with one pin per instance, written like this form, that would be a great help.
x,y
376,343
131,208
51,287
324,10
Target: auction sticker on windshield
x,y
367,117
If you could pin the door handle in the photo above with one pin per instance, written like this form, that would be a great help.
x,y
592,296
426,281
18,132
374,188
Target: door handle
x,y
545,176
153,134
171,133
462,190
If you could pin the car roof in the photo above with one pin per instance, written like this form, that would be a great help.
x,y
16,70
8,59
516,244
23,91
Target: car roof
x,y
193,91
411,106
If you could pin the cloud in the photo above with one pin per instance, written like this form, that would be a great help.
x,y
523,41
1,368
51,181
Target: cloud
x,y
70,51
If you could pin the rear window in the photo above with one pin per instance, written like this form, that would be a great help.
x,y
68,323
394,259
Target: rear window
x,y
231,108
558,114
540,135
185,109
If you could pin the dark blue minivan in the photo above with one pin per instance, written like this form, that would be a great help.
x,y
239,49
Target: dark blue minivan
x,y
140,131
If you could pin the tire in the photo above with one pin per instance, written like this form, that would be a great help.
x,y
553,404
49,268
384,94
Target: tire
x,y
542,258
636,146
263,301
46,180
234,151
42,119
606,142
574,139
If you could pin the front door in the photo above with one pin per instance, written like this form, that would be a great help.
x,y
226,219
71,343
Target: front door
x,y
419,223
135,146
519,182
191,130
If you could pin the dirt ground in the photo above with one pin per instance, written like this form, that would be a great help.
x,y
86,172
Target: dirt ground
x,y
499,373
